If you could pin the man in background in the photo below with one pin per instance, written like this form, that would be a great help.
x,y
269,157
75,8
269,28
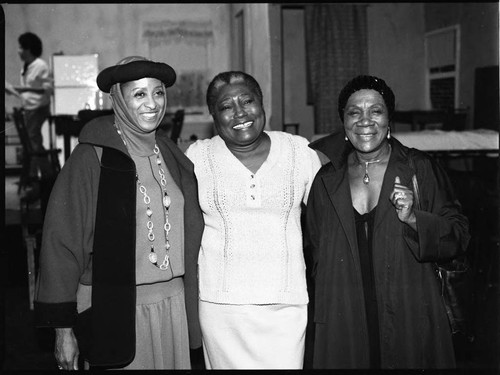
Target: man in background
x,y
34,92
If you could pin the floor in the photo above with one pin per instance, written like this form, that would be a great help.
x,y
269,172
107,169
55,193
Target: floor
x,y
27,348
24,347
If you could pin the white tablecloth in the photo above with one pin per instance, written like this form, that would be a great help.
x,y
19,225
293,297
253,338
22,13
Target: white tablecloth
x,y
439,140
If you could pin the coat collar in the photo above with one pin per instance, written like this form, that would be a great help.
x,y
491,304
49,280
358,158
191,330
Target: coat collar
x,y
335,180
334,147
101,132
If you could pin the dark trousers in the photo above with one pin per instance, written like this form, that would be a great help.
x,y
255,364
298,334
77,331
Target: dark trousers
x,y
34,119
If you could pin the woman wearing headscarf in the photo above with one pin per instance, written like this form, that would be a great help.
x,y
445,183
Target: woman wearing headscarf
x,y
118,264
377,299
252,186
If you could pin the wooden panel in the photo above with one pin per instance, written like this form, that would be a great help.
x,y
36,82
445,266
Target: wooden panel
x,y
486,98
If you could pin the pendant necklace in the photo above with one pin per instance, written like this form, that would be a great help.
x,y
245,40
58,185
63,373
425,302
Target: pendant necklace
x,y
366,177
153,256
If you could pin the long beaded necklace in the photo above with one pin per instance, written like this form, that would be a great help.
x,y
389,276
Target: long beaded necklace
x,y
153,257
366,177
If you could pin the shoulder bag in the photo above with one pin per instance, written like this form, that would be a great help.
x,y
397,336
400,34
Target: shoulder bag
x,y
453,275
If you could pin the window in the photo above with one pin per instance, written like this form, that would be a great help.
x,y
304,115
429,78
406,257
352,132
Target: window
x,y
442,53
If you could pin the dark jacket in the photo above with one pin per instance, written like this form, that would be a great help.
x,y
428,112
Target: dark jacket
x,y
89,238
414,330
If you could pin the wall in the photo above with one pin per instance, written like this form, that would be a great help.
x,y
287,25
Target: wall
x,y
295,107
111,30
396,50
257,35
479,41
396,46
395,53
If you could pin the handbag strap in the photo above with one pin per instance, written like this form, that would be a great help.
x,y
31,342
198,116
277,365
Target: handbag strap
x,y
416,204
416,194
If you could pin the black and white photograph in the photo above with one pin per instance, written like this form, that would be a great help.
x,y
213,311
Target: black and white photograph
x,y
251,186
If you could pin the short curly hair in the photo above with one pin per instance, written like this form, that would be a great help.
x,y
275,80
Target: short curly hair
x,y
366,82
32,43
226,78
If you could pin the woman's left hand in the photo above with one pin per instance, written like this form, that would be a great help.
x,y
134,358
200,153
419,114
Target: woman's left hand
x,y
402,199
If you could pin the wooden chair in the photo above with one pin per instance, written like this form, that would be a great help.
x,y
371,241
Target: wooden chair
x,y
28,153
295,127
31,227
177,123
32,217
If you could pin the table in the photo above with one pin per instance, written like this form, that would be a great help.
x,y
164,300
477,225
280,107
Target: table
x,y
70,125
418,119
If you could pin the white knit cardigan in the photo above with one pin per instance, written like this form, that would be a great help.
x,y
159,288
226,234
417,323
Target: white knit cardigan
x,y
251,250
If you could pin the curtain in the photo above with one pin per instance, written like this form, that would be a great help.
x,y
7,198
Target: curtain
x,y
167,32
336,51
185,46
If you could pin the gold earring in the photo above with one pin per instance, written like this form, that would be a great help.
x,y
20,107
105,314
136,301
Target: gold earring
x,y
345,138
389,133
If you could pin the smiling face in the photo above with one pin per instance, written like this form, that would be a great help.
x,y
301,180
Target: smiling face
x,y
238,114
146,102
366,120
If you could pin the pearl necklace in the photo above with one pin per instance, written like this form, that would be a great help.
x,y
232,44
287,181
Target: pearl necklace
x,y
366,177
153,257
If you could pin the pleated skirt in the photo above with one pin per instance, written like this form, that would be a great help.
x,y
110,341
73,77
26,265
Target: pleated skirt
x,y
162,340
253,336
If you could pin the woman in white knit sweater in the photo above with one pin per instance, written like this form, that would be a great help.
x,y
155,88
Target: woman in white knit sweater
x,y
252,182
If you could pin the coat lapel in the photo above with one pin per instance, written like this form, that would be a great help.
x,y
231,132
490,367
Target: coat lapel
x,y
398,166
337,186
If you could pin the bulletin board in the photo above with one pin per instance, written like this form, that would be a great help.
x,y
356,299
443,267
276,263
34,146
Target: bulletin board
x,y
75,85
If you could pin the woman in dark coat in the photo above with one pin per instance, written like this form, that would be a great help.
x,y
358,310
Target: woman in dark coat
x,y
377,298
118,264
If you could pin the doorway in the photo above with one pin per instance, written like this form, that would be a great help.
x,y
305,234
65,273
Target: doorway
x,y
295,109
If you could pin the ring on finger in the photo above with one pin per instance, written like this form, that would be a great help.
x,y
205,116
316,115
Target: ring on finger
x,y
399,207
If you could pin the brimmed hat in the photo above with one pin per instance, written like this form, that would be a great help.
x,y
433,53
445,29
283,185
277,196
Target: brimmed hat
x,y
133,68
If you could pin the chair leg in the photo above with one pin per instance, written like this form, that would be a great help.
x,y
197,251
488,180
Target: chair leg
x,y
30,242
24,179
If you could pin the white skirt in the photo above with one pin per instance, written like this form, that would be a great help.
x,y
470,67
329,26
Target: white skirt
x,y
253,336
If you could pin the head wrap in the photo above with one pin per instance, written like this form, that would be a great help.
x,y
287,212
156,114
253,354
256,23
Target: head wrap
x,y
366,82
138,141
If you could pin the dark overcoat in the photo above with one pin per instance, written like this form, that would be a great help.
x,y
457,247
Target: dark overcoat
x,y
89,238
414,329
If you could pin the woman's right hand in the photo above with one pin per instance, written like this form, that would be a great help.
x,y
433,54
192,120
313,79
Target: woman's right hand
x,y
66,349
